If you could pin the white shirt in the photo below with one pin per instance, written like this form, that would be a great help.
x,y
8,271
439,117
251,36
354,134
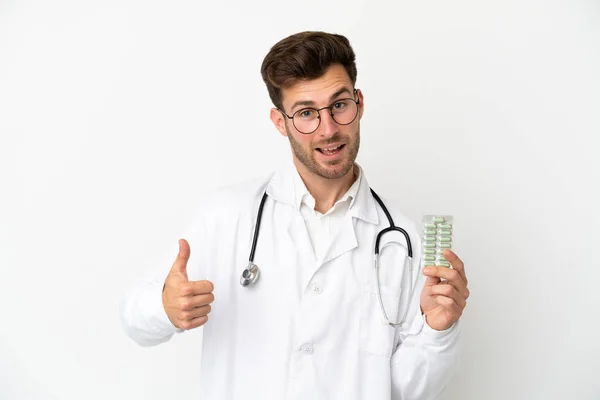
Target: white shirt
x,y
323,227
309,328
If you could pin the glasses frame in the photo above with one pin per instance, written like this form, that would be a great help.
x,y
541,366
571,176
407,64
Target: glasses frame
x,y
318,110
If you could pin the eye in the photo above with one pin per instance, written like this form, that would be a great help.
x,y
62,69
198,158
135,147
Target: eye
x,y
306,113
340,105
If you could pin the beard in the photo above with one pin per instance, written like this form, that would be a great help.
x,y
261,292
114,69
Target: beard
x,y
307,157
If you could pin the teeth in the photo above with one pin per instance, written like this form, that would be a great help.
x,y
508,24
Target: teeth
x,y
331,148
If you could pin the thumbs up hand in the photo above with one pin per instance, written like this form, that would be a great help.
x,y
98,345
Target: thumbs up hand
x,y
186,303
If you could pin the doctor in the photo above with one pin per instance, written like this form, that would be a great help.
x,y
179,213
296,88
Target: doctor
x,y
311,325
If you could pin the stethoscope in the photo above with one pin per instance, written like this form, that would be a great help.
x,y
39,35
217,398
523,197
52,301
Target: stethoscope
x,y
251,274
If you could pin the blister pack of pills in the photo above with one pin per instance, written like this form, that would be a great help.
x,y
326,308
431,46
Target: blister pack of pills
x,y
436,236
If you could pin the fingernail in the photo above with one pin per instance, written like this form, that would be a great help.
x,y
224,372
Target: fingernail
x,y
426,270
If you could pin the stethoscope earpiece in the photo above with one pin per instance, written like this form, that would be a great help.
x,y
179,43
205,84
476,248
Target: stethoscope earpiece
x,y
250,275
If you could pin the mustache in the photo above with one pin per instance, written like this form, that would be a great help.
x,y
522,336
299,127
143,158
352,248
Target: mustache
x,y
337,138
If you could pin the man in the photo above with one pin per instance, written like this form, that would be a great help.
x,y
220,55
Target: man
x,y
310,326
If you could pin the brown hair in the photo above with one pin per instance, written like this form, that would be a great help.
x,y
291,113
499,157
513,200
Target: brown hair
x,y
304,56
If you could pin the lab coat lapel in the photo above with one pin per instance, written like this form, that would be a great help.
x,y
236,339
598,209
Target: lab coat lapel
x,y
343,242
281,188
301,241
362,209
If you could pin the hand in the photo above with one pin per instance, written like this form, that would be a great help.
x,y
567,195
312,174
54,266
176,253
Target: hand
x,y
186,303
443,302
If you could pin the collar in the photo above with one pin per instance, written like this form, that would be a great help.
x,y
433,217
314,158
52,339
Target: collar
x,y
301,193
287,187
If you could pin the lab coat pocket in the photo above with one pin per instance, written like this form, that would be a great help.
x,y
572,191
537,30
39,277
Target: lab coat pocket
x,y
376,336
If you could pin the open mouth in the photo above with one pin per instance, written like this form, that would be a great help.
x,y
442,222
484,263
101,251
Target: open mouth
x,y
331,150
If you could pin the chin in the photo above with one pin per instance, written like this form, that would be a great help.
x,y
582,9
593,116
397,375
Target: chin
x,y
336,171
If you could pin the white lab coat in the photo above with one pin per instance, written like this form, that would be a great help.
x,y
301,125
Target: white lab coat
x,y
308,329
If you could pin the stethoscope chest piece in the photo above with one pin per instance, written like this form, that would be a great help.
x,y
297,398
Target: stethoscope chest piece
x,y
250,275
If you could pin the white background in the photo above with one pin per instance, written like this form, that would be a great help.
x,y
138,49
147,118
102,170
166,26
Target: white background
x,y
117,116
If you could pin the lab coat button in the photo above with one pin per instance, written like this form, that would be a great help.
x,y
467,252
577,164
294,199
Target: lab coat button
x,y
317,289
307,348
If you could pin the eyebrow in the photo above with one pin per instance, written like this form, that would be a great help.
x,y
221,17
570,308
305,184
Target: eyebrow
x,y
312,103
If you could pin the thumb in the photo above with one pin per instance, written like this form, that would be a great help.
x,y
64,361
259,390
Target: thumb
x,y
432,281
180,264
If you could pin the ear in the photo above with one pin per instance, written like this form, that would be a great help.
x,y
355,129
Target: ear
x,y
278,120
361,104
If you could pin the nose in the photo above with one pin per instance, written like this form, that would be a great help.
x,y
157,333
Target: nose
x,y
328,126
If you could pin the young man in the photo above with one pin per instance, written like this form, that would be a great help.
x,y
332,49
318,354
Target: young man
x,y
317,320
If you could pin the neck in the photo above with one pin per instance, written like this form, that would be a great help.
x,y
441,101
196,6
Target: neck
x,y
325,191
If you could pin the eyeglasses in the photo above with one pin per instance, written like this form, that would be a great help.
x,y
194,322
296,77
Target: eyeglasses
x,y
307,120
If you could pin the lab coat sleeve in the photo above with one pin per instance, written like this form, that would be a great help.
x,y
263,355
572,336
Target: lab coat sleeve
x,y
425,359
143,316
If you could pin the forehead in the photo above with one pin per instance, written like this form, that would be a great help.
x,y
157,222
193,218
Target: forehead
x,y
317,90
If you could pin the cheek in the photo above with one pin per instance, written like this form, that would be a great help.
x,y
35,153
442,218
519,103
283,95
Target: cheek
x,y
305,142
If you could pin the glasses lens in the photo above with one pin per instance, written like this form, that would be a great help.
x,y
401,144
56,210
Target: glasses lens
x,y
344,111
306,120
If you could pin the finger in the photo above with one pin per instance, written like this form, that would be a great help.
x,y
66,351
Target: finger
x,y
450,305
432,281
194,313
180,264
191,302
196,287
195,323
444,273
450,292
456,263
451,276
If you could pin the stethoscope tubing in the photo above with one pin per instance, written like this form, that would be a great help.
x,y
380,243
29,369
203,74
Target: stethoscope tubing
x,y
252,272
